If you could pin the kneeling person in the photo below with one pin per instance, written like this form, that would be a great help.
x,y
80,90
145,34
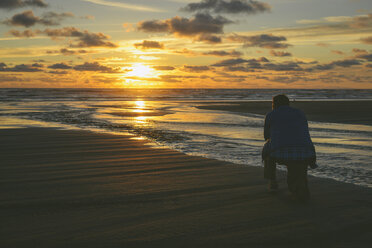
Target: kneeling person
x,y
288,142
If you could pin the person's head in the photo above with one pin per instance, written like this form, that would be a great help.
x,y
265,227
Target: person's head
x,y
280,100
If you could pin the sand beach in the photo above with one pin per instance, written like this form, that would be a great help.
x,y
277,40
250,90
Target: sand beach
x,y
66,188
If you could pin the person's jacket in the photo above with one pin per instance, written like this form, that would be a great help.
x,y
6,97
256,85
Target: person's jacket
x,y
287,127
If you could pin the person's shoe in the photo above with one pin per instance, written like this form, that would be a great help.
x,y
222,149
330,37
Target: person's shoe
x,y
273,186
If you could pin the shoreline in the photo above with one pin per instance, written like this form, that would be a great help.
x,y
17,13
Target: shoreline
x,y
334,111
78,188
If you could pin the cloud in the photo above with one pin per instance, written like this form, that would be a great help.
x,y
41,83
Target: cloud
x,y
170,78
28,19
312,62
338,63
209,38
37,65
280,53
178,78
222,53
60,66
230,62
360,21
359,51
263,59
20,68
262,63
367,57
148,44
154,26
263,40
198,69
186,52
58,72
289,79
11,4
25,34
253,63
124,5
228,7
83,38
67,52
95,66
52,18
367,40
94,40
323,67
239,68
202,27
7,78
229,77
285,66
163,68
337,52
346,62
342,30
364,21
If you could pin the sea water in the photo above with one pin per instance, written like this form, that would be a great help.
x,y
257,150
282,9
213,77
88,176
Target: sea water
x,y
171,118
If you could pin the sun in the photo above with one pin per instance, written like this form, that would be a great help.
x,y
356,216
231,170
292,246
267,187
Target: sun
x,y
140,70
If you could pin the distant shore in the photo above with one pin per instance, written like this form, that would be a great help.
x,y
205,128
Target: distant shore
x,y
63,188
348,112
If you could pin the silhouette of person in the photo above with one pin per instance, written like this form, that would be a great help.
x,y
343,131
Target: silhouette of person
x,y
288,142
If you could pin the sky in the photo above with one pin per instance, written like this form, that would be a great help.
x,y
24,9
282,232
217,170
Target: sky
x,y
186,44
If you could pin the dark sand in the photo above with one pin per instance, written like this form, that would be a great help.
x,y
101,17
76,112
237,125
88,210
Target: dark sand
x,y
350,112
81,189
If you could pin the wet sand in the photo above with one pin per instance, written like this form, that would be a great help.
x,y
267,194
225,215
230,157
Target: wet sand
x,y
64,188
350,112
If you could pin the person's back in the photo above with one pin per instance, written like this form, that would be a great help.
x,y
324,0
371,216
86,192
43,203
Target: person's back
x,y
287,127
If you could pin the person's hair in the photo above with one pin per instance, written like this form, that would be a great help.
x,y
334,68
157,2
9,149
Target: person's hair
x,y
280,100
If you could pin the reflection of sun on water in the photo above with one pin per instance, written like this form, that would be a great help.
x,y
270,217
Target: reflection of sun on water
x,y
140,119
139,107
139,104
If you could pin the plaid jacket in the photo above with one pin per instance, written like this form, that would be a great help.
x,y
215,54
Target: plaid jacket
x,y
293,153
286,127
289,153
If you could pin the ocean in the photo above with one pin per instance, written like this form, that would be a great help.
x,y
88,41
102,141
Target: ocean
x,y
171,118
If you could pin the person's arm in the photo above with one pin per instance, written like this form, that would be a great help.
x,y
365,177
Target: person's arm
x,y
267,127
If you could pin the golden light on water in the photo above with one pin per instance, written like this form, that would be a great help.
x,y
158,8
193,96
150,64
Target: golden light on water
x,y
141,119
139,104
139,107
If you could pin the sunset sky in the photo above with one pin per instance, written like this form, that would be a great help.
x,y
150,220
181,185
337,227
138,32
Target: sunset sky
x,y
186,43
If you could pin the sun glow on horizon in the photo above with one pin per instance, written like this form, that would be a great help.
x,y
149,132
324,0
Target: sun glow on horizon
x,y
141,70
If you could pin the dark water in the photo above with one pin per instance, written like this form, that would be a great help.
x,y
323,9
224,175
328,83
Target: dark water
x,y
170,118
175,94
